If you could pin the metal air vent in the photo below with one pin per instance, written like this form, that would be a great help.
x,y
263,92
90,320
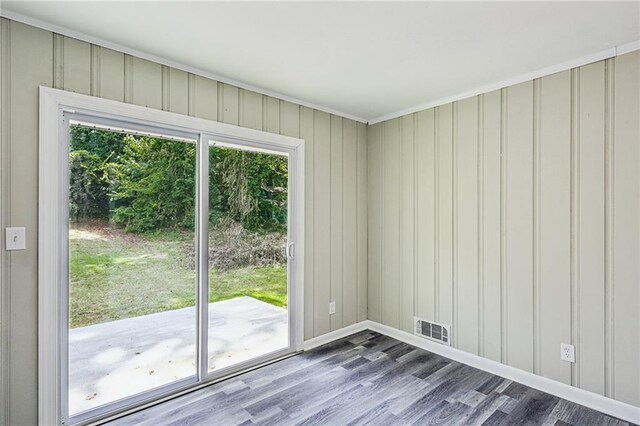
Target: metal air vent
x,y
433,331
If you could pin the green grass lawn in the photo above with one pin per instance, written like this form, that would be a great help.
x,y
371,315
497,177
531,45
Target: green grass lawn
x,y
115,275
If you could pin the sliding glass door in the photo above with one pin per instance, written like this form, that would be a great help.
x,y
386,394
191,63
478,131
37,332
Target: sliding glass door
x,y
132,265
177,261
248,255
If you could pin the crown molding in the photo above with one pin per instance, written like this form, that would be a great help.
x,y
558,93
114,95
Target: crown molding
x,y
578,62
163,61
584,60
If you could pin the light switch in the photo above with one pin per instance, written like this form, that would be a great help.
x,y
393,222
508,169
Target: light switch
x,y
15,239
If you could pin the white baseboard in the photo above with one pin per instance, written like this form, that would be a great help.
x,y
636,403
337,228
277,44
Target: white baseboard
x,y
335,335
592,400
579,396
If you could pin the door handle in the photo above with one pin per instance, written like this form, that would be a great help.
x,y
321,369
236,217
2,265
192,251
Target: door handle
x,y
291,251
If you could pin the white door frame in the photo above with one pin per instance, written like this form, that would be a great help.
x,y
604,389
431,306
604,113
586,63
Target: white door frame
x,y
52,238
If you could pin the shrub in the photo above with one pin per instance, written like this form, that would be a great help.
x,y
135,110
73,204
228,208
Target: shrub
x,y
232,246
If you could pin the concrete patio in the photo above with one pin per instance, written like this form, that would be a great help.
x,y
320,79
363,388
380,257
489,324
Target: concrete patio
x,y
116,359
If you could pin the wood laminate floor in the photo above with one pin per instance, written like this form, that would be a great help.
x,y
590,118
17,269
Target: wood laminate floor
x,y
367,378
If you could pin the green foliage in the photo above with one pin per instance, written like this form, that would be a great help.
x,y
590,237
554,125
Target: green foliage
x,y
154,182
106,145
250,188
87,185
146,184
92,152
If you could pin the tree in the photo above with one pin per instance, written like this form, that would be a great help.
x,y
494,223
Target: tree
x,y
88,188
102,143
250,188
146,184
154,182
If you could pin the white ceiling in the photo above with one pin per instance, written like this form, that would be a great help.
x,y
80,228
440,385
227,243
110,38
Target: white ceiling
x,y
361,59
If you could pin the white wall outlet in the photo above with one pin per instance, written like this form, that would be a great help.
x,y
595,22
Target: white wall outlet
x,y
567,352
15,239
332,308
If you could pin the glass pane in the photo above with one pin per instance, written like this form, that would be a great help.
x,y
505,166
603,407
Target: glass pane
x,y
247,266
132,275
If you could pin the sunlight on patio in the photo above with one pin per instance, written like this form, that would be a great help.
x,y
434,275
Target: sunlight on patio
x,y
115,359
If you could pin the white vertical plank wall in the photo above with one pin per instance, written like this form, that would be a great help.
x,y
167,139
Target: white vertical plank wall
x,y
553,258
374,213
348,239
588,188
5,219
361,219
444,215
490,318
527,224
466,285
513,216
407,223
391,223
519,283
307,133
109,74
25,46
32,57
425,205
336,217
322,221
624,241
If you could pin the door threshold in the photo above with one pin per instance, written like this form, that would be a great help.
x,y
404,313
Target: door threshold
x,y
185,391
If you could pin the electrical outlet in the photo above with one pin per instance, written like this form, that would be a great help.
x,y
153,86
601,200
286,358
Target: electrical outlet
x,y
567,352
332,308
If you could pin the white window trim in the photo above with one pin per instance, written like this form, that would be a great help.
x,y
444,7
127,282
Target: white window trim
x,y
52,152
